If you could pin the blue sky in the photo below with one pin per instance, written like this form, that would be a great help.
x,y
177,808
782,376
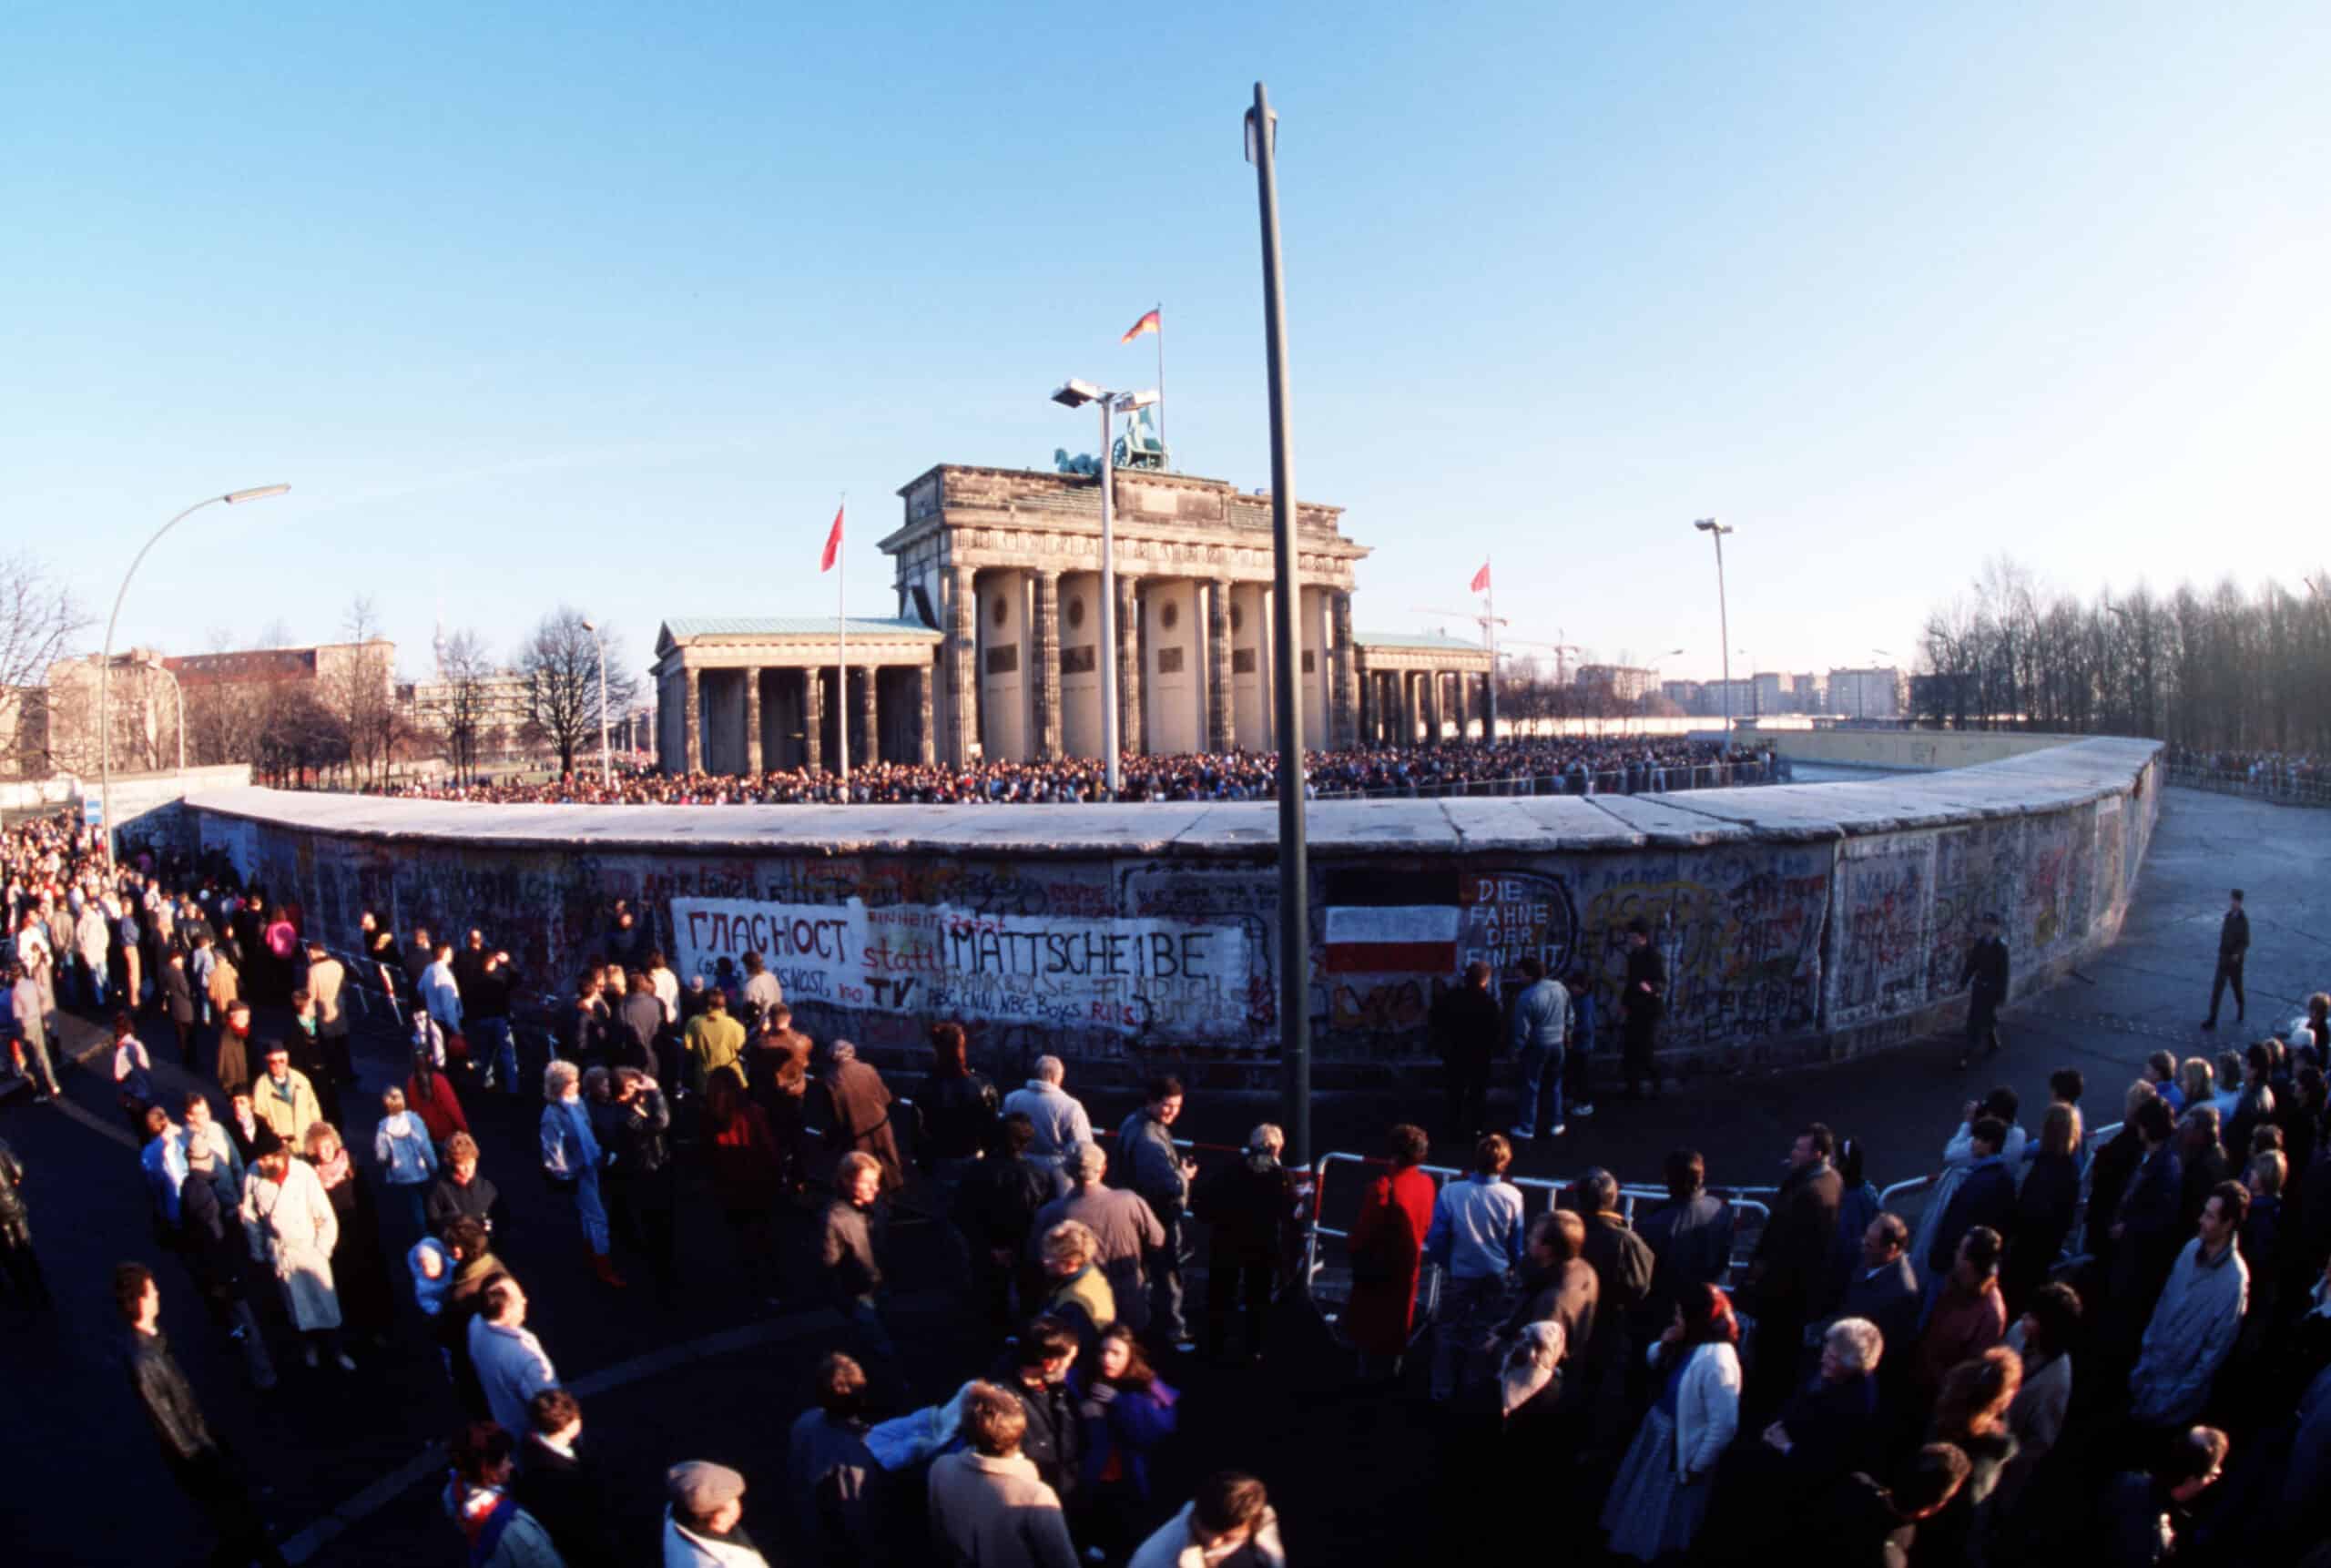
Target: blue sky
x,y
606,304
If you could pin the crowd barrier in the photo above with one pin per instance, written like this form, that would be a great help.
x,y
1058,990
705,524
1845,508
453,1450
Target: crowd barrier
x,y
2282,788
1657,780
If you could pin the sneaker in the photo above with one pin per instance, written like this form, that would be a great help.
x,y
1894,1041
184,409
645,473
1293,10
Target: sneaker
x,y
1558,1129
346,1364
1581,1112
1522,1134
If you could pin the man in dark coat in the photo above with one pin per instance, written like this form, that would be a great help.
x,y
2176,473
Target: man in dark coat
x,y
177,1001
1468,1026
996,1209
196,1460
1622,1269
18,1260
1788,1275
562,1488
2145,1232
1884,1288
1985,975
1038,1373
1985,1195
1690,1235
2234,943
1643,1001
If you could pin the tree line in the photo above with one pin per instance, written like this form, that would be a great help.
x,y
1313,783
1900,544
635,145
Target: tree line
x,y
2227,668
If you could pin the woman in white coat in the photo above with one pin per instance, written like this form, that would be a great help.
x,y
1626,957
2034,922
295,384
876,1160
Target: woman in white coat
x,y
289,1218
1660,1495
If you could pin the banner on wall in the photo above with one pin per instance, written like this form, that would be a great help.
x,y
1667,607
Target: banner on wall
x,y
1175,978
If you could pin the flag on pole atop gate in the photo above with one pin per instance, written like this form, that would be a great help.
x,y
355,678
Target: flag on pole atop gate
x,y
1481,578
833,543
1149,323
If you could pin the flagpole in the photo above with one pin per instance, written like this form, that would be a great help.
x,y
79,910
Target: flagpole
x,y
1167,451
841,644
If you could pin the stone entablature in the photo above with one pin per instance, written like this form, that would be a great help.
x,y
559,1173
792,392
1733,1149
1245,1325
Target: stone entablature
x,y
783,687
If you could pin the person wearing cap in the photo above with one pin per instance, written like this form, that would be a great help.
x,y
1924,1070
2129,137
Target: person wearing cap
x,y
282,1098
704,1527
290,1222
1985,975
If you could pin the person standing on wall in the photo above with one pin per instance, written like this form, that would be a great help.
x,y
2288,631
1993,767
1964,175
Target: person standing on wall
x,y
2233,941
1642,999
1985,973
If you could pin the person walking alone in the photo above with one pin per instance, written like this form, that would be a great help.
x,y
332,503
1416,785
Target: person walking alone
x,y
1642,1002
2234,943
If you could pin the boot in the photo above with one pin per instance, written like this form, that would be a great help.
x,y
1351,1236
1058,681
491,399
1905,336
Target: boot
x,y
604,1266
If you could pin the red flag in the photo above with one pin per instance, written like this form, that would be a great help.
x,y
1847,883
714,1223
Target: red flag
x,y
834,543
1481,578
1149,323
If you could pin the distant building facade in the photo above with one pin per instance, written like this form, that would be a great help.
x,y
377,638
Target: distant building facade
x,y
1872,693
1627,683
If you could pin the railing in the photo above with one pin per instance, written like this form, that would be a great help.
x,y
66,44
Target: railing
x,y
1653,780
2268,784
1751,1211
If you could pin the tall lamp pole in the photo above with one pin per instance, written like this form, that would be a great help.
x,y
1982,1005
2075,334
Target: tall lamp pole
x,y
1076,394
1294,872
1716,531
606,764
105,668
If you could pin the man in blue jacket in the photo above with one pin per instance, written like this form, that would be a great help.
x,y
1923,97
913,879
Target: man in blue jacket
x,y
1986,1195
1541,1025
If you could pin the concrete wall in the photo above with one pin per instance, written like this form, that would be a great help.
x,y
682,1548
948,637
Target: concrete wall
x,y
1906,748
146,805
1800,923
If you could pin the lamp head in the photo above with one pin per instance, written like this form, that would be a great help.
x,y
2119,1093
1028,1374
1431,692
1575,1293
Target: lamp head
x,y
1710,525
236,497
1076,394
1125,402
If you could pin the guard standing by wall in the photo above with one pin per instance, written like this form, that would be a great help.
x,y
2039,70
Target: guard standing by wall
x,y
1985,973
1642,1001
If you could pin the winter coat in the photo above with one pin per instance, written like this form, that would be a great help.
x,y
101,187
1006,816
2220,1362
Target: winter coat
x,y
439,1110
1387,1252
169,1401
685,1548
846,1250
569,1150
1171,1546
177,993
501,1533
861,1117
289,1107
1789,1273
1123,1427
510,1368
2195,1324
1152,1164
1691,1244
1985,1196
955,1116
402,1146
1707,1406
1126,1227
293,1230
1249,1207
988,1512
450,1200
834,1493
325,978
569,1497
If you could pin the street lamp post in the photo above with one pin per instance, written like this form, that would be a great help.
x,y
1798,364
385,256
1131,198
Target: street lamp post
x,y
606,763
1294,872
1076,394
105,668
1716,531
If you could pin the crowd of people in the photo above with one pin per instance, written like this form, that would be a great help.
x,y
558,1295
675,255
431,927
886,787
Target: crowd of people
x,y
2113,1350
2297,774
1550,766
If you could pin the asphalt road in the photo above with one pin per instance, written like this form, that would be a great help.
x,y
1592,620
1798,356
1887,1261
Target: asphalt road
x,y
351,1460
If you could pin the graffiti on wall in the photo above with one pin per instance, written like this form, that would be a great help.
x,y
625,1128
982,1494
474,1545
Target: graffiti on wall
x,y
1155,977
1880,961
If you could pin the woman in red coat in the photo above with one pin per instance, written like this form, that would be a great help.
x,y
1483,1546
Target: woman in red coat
x,y
1387,1245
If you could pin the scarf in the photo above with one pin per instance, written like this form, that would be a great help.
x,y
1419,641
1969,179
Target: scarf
x,y
335,1170
485,1513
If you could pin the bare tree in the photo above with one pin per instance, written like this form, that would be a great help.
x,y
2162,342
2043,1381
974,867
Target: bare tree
x,y
561,666
466,670
357,689
40,623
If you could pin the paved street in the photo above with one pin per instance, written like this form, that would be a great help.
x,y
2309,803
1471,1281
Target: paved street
x,y
349,1454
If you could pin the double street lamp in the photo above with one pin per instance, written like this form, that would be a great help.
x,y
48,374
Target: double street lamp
x,y
105,668
1076,394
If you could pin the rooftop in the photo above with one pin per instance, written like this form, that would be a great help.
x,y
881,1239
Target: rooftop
x,y
684,626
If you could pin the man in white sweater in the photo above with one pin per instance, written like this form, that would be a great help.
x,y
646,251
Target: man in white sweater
x,y
1060,1121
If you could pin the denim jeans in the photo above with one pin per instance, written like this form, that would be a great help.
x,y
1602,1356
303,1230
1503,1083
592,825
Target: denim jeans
x,y
1469,1310
1541,1096
499,1049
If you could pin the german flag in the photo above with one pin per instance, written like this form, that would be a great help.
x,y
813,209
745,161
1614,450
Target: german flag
x,y
1149,323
